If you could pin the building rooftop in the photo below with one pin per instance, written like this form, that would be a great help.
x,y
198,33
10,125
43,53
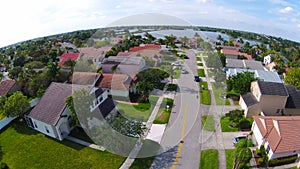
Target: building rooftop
x,y
115,81
271,88
5,86
52,103
249,99
84,78
66,56
293,100
122,60
282,132
247,64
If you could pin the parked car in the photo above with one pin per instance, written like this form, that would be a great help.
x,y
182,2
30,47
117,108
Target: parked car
x,y
186,57
197,79
237,139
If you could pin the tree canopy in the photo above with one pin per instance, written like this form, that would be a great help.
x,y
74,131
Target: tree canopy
x,y
241,82
293,77
15,105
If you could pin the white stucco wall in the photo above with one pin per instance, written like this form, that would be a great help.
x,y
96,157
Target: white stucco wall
x,y
42,127
258,137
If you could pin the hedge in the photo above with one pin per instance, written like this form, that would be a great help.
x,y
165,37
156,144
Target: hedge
x,y
282,161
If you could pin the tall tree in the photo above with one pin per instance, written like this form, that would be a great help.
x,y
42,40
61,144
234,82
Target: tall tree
x,y
242,154
293,77
53,69
144,88
16,105
241,82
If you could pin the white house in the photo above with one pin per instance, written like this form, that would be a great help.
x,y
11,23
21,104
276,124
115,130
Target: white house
x,y
51,116
278,134
268,59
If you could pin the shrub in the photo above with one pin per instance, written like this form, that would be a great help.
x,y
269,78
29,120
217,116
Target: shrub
x,y
172,87
244,124
3,166
282,161
261,161
249,143
258,152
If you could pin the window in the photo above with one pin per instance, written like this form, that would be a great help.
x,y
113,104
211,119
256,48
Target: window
x,y
100,99
268,149
35,125
278,111
46,129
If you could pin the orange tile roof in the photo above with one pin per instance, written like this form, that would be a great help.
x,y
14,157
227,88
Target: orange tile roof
x,y
115,81
66,56
93,52
230,51
282,132
5,86
146,46
84,78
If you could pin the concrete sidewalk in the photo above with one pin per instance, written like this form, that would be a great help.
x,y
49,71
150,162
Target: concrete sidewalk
x,y
84,143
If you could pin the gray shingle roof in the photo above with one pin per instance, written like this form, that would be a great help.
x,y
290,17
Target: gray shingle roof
x,y
271,88
123,60
249,99
293,100
248,64
52,104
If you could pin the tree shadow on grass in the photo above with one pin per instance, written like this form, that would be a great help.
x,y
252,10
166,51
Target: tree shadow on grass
x,y
20,126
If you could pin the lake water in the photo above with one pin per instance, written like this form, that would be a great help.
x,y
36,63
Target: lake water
x,y
190,33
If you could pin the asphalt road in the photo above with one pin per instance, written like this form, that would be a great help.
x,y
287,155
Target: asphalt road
x,y
183,130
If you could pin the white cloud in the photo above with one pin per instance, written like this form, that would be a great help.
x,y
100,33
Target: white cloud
x,y
285,10
204,1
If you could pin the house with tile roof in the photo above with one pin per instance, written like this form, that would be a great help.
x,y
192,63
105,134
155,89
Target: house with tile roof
x,y
262,75
123,64
270,99
230,52
67,56
51,116
278,134
120,85
7,86
94,54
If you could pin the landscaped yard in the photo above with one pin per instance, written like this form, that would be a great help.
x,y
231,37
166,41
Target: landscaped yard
x,y
219,94
209,159
229,126
201,73
163,114
23,147
141,163
226,125
229,158
200,64
139,112
199,59
177,74
204,93
208,123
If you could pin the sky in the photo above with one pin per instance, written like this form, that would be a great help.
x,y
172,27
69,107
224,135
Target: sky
x,y
23,20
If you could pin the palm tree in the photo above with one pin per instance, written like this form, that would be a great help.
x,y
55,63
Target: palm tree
x,y
53,69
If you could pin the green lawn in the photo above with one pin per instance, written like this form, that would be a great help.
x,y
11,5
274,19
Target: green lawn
x,y
204,94
225,125
229,158
208,123
209,159
23,147
199,59
201,73
163,114
142,163
219,93
139,112
200,64
177,74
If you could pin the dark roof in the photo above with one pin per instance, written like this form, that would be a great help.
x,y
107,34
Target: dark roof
x,y
293,100
105,108
272,88
249,99
5,86
52,104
